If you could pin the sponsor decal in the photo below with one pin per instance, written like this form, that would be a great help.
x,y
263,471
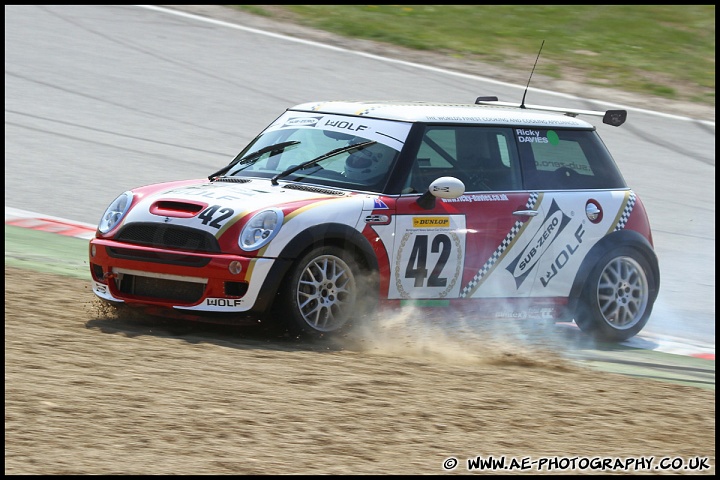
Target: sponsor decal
x,y
345,125
223,302
563,257
482,197
379,204
217,192
548,164
530,136
511,315
526,135
555,222
431,222
301,122
544,313
479,119
392,134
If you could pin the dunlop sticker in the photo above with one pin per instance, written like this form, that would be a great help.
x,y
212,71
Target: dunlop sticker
x,y
431,222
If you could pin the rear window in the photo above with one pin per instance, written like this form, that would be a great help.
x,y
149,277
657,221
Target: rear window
x,y
566,160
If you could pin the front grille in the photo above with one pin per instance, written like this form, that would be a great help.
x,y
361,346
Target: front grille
x,y
158,257
169,236
161,289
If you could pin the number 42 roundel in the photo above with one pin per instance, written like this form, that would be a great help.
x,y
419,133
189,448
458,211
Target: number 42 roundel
x,y
429,251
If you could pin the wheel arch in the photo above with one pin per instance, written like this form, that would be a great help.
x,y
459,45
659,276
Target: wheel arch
x,y
624,238
329,234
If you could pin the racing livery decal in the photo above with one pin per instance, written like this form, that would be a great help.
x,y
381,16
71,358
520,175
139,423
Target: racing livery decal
x,y
563,257
379,204
501,250
625,212
301,122
387,133
218,217
555,222
342,210
429,256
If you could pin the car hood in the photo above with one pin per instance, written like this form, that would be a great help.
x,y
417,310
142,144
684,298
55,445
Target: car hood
x,y
215,206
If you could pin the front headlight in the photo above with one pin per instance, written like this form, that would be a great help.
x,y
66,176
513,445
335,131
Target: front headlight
x,y
115,212
260,229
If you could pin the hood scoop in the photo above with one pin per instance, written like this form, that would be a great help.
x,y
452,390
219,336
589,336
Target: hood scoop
x,y
177,208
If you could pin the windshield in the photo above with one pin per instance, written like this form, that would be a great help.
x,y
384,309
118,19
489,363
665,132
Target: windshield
x,y
366,168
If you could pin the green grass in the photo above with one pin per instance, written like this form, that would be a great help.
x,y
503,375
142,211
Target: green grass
x,y
46,252
662,50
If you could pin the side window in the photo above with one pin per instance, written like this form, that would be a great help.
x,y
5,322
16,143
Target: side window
x,y
484,158
566,159
488,159
438,149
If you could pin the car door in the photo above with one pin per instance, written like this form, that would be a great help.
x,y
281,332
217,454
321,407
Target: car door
x,y
465,247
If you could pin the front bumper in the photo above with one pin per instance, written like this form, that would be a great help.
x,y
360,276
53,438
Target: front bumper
x,y
194,282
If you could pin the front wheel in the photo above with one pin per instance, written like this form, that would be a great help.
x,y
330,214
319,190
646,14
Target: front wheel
x,y
617,299
322,294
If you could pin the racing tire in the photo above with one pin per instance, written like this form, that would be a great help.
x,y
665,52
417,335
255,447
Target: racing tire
x,y
324,293
617,297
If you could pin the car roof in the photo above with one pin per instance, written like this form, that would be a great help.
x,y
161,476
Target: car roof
x,y
445,113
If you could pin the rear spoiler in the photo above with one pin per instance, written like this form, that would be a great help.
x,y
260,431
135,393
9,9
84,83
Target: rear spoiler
x,y
610,117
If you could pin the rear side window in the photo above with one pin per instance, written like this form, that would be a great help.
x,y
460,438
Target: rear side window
x,y
566,160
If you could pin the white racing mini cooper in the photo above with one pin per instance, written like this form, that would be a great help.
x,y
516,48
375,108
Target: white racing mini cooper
x,y
338,210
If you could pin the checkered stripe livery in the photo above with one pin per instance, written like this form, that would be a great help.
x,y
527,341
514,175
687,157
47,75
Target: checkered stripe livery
x,y
627,210
499,252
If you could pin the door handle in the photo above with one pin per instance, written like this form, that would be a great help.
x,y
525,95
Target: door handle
x,y
528,213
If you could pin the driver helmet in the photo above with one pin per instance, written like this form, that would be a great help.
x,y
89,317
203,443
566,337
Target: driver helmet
x,y
369,162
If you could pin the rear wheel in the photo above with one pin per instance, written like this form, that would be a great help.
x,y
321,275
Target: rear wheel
x,y
616,300
322,294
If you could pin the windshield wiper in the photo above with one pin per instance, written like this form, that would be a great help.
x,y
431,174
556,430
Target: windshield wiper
x,y
331,153
253,156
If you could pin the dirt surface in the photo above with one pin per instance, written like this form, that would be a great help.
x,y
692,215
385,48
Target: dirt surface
x,y
91,392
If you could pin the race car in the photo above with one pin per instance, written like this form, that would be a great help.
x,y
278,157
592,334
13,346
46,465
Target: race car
x,y
340,209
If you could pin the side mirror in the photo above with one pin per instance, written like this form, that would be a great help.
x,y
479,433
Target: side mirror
x,y
443,187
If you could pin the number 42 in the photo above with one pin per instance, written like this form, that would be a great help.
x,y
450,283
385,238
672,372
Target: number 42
x,y
206,216
417,264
